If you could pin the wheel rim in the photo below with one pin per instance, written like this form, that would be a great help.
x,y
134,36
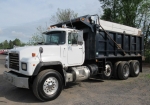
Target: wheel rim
x,y
50,85
136,68
107,71
126,70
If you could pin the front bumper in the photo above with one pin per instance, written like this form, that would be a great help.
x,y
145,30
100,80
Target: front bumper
x,y
16,80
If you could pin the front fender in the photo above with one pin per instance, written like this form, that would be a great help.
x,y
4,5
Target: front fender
x,y
53,63
42,64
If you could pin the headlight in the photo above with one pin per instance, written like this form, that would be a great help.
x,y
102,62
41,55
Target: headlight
x,y
24,66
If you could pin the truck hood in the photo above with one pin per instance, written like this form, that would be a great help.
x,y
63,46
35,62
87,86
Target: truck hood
x,y
49,51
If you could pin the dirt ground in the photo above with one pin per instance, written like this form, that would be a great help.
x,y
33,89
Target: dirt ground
x,y
133,91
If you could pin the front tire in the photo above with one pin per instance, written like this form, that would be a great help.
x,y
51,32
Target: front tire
x,y
47,85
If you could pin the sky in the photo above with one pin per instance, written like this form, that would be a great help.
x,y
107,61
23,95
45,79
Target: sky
x,y
20,18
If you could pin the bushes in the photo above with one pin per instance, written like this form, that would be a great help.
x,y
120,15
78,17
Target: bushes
x,y
147,55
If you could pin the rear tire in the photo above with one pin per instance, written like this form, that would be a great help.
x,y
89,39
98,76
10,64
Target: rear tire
x,y
115,70
134,68
108,70
123,70
47,85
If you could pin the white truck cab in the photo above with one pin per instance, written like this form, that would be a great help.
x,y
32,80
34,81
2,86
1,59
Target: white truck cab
x,y
62,46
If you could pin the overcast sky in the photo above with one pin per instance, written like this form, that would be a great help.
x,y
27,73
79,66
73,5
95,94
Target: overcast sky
x,y
20,18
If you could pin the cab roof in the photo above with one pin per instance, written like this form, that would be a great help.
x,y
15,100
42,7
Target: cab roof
x,y
58,29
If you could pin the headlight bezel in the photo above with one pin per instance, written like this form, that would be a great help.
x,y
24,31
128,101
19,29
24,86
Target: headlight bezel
x,y
24,66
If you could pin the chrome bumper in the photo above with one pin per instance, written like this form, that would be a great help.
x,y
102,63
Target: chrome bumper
x,y
15,80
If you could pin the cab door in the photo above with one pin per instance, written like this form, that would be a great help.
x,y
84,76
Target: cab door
x,y
75,50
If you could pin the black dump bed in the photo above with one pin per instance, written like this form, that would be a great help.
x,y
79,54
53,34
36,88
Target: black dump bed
x,y
98,43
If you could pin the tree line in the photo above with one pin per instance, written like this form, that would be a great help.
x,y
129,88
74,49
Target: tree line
x,y
10,44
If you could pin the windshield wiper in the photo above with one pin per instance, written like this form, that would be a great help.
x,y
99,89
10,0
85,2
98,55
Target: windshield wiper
x,y
56,43
40,43
52,43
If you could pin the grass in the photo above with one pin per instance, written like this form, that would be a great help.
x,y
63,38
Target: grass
x,y
148,76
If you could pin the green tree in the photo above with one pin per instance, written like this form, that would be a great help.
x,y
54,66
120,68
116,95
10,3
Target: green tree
x,y
23,44
10,44
5,44
107,15
63,15
110,9
121,11
1,45
17,42
144,21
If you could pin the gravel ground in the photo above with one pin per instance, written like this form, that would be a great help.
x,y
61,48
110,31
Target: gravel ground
x,y
133,91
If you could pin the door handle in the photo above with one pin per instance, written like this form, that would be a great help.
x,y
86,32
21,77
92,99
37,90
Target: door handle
x,y
80,48
64,52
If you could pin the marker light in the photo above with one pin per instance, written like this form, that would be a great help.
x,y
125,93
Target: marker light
x,y
64,26
96,60
51,27
82,19
33,54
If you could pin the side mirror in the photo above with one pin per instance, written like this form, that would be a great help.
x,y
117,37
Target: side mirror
x,y
41,50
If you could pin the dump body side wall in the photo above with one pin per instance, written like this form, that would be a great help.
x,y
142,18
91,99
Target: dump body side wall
x,y
98,45
105,47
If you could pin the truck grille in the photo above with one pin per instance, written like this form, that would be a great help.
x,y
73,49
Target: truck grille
x,y
14,61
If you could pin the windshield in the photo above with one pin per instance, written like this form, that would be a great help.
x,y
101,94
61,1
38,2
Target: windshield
x,y
55,37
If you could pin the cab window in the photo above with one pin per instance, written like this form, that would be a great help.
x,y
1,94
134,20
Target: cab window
x,y
75,37
72,38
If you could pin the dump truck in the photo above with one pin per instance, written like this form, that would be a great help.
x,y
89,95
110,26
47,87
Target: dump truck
x,y
74,51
